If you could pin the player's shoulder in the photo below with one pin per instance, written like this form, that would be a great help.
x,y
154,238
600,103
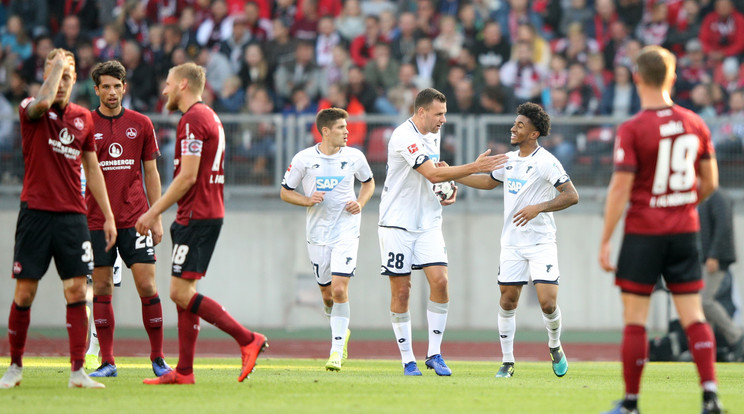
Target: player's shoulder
x,y
308,152
406,130
353,152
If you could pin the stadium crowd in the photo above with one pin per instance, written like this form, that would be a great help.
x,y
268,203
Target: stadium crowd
x,y
574,57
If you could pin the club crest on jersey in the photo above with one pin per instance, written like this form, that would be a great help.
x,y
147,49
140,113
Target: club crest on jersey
x,y
412,149
79,124
191,147
115,150
66,137
131,133
17,268
514,185
327,183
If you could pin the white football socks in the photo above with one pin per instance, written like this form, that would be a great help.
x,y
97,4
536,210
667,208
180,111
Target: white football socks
x,y
402,329
553,325
340,314
436,315
507,327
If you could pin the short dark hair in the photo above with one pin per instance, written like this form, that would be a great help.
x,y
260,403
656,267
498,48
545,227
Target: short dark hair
x,y
426,97
655,65
537,115
111,68
327,117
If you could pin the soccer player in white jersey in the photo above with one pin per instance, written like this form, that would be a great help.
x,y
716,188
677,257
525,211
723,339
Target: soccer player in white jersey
x,y
535,185
410,227
326,172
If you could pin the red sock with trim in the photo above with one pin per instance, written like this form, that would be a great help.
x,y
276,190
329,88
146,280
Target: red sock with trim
x,y
214,313
634,351
702,345
152,319
77,331
18,322
103,317
188,332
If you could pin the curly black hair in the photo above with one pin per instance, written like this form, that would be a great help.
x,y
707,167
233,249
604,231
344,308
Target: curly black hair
x,y
537,115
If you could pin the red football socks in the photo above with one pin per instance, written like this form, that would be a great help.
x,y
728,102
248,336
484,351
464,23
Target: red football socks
x,y
77,331
702,345
152,319
188,331
18,321
103,317
634,351
214,313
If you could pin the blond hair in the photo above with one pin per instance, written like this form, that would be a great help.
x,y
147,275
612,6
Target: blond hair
x,y
194,74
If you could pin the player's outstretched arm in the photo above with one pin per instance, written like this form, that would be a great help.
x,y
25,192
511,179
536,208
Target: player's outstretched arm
x,y
181,184
154,192
97,186
365,193
293,197
708,171
479,181
48,90
567,196
618,195
485,163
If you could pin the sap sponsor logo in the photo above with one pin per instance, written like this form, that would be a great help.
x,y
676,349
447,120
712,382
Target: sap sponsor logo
x,y
131,133
115,150
514,185
98,136
79,124
66,137
327,183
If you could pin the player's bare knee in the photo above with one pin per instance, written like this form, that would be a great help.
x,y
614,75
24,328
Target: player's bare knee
x,y
549,307
103,287
147,288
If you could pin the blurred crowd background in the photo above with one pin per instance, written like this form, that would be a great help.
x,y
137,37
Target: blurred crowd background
x,y
294,57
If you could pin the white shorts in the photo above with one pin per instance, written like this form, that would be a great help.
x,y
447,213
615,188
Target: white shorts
x,y
329,260
519,264
402,251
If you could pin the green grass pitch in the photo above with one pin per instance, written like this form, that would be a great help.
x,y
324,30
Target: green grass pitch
x,y
365,386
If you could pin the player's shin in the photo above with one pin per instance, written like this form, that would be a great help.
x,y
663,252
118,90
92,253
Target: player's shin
x,y
340,315
436,315
507,328
402,329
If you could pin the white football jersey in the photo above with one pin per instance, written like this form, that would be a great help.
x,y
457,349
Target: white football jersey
x,y
408,200
529,180
329,222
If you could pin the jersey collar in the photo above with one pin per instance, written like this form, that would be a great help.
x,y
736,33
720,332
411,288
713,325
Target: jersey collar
x,y
98,111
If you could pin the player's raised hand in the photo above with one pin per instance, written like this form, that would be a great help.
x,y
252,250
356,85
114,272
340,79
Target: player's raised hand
x,y
487,163
317,197
353,207
604,257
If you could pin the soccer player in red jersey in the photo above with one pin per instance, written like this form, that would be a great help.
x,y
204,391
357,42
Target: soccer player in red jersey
x,y
660,155
197,187
126,145
57,136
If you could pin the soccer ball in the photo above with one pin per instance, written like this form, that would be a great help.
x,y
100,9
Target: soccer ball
x,y
444,190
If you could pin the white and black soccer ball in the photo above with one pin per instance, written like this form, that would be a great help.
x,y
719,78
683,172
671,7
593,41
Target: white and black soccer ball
x,y
444,190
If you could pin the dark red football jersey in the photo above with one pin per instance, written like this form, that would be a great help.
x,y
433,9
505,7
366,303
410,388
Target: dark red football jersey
x,y
663,147
53,146
200,133
124,143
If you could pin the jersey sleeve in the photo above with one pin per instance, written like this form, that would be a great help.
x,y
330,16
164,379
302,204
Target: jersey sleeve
x,y
625,157
411,149
293,175
707,150
89,141
362,172
552,171
192,135
150,150
498,175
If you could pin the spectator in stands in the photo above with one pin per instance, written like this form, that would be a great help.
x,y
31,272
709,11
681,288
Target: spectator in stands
x,y
541,49
465,101
403,94
630,12
258,142
188,25
301,71
17,89
600,27
281,49
86,12
430,66
449,41
142,96
493,101
337,71
653,30
368,96
284,10
33,13
684,27
493,49
455,74
620,99
598,77
403,46
382,71
628,54
577,12
109,46
512,13
700,101
217,27
557,76
492,80
729,136
86,60
256,25
473,70
306,26
721,31
581,97
233,47
134,23
558,104
691,70
323,7
231,98
328,38
218,68
615,47
729,74
470,24
427,18
15,40
523,75
388,25
350,23
301,104
164,11
32,69
362,47
576,47
338,97
8,64
254,69
70,35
